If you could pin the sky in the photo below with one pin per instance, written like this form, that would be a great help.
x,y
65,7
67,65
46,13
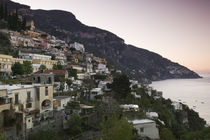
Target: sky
x,y
176,29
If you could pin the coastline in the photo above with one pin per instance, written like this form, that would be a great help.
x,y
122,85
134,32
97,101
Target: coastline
x,y
180,90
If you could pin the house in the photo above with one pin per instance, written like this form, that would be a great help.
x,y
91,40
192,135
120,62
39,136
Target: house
x,y
58,74
60,102
104,85
31,56
48,63
81,76
146,128
94,92
177,105
77,47
101,68
152,115
30,103
43,78
5,64
59,86
129,107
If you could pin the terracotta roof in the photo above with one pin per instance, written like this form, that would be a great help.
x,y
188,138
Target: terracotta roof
x,y
51,71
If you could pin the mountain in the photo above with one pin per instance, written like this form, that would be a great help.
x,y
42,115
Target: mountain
x,y
138,63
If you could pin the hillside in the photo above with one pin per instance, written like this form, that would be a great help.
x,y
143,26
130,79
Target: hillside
x,y
138,63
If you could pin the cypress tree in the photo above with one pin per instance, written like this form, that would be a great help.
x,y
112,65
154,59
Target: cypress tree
x,y
5,12
1,11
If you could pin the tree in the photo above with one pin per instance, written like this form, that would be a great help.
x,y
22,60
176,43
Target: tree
x,y
116,129
121,86
28,68
42,67
2,137
57,67
166,134
45,135
53,57
23,24
75,123
73,73
17,69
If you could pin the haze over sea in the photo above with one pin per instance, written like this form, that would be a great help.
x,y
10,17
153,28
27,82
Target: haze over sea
x,y
193,92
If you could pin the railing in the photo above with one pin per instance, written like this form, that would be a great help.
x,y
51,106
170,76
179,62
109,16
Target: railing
x,y
46,107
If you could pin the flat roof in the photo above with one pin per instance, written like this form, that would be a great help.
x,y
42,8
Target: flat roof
x,y
61,97
143,121
18,86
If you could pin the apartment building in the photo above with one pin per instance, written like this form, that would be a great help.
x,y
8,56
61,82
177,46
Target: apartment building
x,y
29,104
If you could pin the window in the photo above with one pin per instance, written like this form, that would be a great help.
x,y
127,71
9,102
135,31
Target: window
x,y
37,94
16,99
28,95
46,91
141,129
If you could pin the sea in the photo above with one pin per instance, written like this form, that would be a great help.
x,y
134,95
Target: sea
x,y
193,92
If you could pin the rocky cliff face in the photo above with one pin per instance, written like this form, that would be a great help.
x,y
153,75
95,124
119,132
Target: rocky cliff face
x,y
138,63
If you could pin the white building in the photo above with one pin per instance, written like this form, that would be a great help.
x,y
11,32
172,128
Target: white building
x,y
103,85
36,67
78,47
129,107
177,105
94,92
102,68
31,56
61,102
80,76
146,128
152,115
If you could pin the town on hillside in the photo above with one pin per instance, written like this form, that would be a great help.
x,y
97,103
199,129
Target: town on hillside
x,y
49,88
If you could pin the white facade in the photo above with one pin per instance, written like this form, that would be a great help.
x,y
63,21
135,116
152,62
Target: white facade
x,y
146,128
129,107
152,115
31,56
77,46
36,67
177,105
94,92
81,76
62,101
103,85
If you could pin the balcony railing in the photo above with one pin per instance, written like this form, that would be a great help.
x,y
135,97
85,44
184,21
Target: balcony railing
x,y
46,107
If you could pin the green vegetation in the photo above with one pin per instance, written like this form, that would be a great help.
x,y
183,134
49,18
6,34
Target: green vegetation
x,y
121,86
17,69
75,124
27,66
45,135
20,69
42,67
117,129
73,73
58,67
203,134
12,19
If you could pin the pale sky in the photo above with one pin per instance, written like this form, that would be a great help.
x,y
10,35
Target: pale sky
x,y
176,29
